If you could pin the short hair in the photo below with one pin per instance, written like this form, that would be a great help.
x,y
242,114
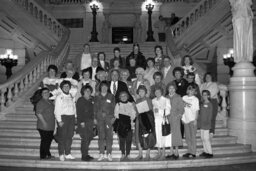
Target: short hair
x,y
157,73
86,87
208,93
103,83
178,69
158,46
53,67
124,71
43,89
116,49
207,73
140,70
151,59
115,70
159,88
167,57
191,87
103,53
183,60
87,70
123,92
172,83
142,87
65,82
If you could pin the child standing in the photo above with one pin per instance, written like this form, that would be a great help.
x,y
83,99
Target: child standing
x,y
189,119
161,108
125,113
204,123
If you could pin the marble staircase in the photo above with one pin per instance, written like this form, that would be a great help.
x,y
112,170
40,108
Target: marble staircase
x,y
19,147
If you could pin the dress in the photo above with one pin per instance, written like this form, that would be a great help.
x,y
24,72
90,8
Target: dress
x,y
174,118
163,105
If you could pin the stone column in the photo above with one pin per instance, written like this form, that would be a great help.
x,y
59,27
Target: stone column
x,y
242,121
137,29
106,28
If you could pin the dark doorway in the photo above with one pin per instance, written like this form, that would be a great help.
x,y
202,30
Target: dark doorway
x,y
122,35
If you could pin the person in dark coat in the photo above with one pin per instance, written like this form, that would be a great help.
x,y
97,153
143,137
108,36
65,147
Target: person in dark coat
x,y
138,56
117,56
85,120
116,86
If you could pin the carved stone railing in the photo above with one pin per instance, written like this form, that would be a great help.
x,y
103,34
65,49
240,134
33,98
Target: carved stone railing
x,y
223,108
44,17
195,14
66,2
15,88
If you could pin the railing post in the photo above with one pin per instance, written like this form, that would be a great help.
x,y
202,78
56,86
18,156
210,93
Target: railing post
x,y
3,91
223,114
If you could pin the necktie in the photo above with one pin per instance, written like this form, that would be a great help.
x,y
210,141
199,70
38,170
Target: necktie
x,y
114,88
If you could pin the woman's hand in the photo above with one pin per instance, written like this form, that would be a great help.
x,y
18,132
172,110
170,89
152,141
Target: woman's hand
x,y
82,124
61,123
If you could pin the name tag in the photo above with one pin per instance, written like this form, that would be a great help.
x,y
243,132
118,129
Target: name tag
x,y
108,101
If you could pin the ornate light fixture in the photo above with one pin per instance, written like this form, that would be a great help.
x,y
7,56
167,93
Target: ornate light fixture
x,y
9,60
149,8
94,7
228,60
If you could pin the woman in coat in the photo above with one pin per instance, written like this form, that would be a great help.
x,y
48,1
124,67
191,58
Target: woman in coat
x,y
177,110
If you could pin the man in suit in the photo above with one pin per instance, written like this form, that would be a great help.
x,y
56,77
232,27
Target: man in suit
x,y
95,68
167,70
116,86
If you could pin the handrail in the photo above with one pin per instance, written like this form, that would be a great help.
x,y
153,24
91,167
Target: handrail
x,y
64,2
196,13
19,83
40,14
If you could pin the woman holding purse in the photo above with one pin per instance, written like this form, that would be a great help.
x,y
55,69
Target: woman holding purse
x,y
161,108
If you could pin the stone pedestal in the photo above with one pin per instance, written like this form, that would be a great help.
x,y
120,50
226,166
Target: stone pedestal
x,y
242,121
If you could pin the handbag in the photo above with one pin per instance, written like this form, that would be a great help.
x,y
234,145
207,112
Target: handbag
x,y
148,141
166,127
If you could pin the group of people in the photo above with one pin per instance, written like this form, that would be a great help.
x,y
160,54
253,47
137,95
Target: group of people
x,y
131,96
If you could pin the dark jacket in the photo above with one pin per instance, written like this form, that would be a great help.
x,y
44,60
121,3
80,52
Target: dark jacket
x,y
121,87
139,58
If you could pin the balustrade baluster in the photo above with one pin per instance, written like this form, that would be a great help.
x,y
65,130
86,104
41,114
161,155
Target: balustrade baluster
x,y
26,5
223,113
45,20
36,12
34,75
41,16
31,8
21,85
26,83
9,96
16,91
38,71
3,92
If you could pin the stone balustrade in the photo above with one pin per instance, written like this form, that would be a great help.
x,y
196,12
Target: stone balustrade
x,y
195,14
66,2
20,83
40,14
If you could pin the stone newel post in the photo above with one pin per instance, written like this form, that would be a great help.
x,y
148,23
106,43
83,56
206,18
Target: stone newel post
x,y
242,122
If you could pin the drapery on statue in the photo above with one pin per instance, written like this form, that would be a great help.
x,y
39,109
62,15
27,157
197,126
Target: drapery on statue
x,y
242,26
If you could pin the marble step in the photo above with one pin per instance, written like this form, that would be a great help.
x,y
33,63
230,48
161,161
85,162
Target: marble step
x,y
217,160
35,141
30,132
34,151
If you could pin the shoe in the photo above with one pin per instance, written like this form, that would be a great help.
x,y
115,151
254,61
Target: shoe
x,y
62,158
50,157
87,158
122,157
110,157
69,156
176,157
203,154
139,157
186,155
208,155
101,157
191,156
127,157
169,156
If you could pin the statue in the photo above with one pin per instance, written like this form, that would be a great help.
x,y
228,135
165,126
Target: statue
x,y
242,27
